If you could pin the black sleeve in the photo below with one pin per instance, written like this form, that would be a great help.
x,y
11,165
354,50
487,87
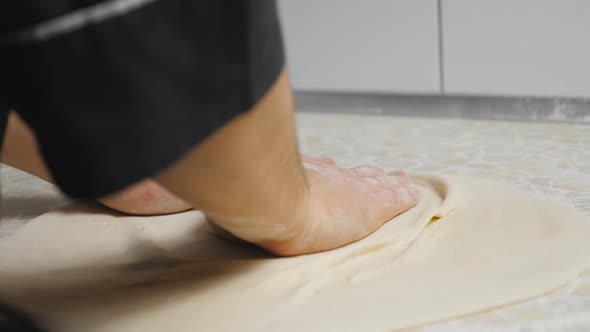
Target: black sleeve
x,y
116,98
13,320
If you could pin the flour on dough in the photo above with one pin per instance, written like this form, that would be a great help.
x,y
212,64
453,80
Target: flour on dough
x,y
468,246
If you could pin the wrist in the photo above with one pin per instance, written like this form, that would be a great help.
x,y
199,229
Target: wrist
x,y
294,232
280,223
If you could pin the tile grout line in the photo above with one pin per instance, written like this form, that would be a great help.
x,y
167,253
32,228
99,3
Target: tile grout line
x,y
441,63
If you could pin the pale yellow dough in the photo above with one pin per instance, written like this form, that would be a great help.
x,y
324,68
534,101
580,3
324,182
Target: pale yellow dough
x,y
468,246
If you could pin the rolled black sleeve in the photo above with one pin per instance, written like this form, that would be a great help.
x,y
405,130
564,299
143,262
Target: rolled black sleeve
x,y
116,98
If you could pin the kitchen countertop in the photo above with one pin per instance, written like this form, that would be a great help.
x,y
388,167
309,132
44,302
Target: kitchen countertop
x,y
551,160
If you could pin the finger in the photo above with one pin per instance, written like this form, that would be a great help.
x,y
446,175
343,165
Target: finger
x,y
401,190
410,196
368,171
391,199
391,183
398,172
400,177
322,161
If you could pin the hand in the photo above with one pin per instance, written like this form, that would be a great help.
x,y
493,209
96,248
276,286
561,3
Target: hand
x,y
345,205
146,197
248,178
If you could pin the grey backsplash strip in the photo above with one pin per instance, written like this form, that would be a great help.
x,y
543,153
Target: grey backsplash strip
x,y
542,109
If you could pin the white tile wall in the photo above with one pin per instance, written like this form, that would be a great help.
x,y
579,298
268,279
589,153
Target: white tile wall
x,y
517,47
362,45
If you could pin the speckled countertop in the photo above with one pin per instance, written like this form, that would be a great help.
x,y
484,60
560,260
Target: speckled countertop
x,y
548,159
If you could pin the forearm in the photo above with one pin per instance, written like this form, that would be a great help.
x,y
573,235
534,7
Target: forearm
x,y
248,175
20,149
249,179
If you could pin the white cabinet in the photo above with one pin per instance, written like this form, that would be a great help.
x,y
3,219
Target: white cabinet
x,y
517,47
362,45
